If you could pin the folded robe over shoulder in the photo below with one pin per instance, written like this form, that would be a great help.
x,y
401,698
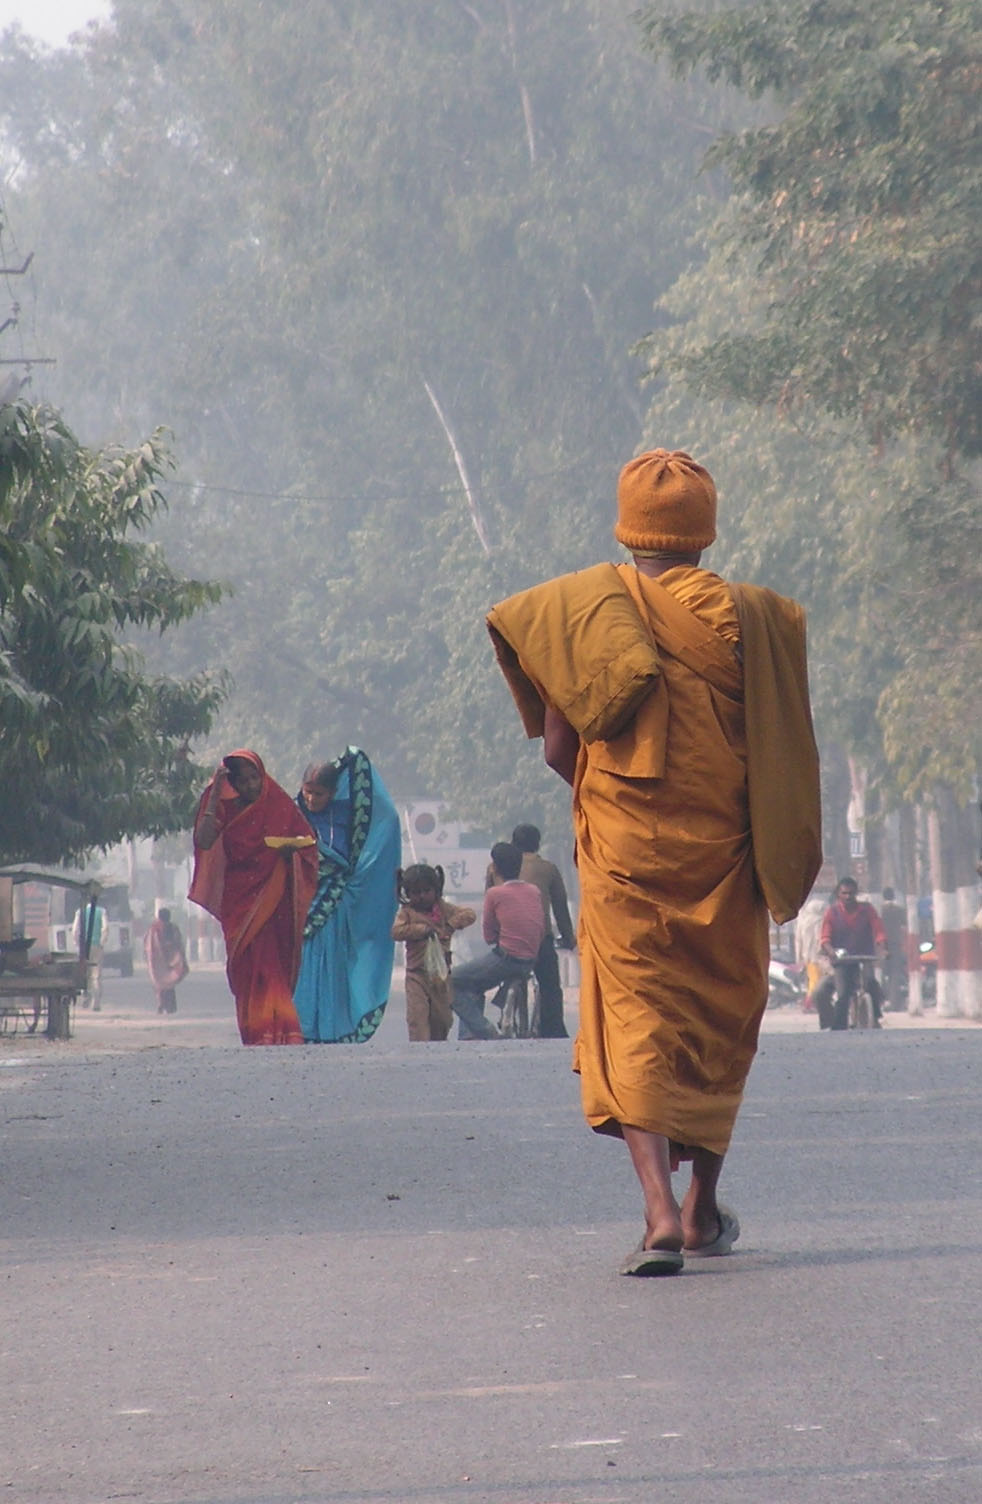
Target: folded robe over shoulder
x,y
580,635
695,799
579,644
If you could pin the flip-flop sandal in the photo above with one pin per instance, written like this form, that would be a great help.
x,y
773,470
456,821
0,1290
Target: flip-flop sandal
x,y
650,1262
729,1231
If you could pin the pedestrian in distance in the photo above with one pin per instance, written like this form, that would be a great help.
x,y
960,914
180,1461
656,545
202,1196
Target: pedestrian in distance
x,y
167,963
895,981
89,931
425,924
850,927
808,947
513,924
676,706
549,880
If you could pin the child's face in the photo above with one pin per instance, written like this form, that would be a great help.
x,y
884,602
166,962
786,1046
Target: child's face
x,y
422,898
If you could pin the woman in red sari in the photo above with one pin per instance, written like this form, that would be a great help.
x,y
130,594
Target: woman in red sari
x,y
255,869
167,964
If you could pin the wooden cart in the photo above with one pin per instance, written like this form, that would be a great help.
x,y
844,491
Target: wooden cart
x,y
46,994
46,990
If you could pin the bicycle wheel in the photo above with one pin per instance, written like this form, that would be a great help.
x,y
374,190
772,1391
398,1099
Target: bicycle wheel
x,y
506,1024
521,995
863,1011
515,1015
535,1022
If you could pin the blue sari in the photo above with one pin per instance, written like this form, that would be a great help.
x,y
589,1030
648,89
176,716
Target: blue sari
x,y
346,965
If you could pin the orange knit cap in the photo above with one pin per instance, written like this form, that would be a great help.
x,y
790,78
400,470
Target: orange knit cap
x,y
666,503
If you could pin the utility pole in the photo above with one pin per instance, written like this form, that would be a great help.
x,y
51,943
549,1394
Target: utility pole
x,y
12,385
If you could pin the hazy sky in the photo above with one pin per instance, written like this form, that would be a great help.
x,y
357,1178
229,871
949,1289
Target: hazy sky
x,y
52,20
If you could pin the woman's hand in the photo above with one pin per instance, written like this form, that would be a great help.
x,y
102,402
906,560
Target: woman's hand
x,y
206,830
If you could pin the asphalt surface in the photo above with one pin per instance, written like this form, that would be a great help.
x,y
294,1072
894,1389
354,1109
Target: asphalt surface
x,y
386,1274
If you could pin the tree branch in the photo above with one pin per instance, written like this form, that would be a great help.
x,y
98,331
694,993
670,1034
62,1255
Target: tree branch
x,y
472,501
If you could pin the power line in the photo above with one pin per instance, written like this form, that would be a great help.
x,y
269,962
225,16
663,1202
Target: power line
x,y
450,489
194,485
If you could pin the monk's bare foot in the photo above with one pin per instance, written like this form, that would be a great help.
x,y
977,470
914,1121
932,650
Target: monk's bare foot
x,y
700,1222
663,1231
699,1235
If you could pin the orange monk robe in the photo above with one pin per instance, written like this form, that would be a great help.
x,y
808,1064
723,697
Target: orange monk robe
x,y
673,918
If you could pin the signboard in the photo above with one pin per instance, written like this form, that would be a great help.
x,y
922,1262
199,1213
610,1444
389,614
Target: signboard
x,y
428,837
464,870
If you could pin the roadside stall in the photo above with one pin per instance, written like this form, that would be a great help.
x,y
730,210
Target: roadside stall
x,y
43,988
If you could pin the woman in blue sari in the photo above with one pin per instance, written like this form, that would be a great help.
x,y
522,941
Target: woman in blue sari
x,y
346,965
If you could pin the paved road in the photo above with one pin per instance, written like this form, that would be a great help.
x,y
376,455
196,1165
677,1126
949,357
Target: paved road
x,y
385,1275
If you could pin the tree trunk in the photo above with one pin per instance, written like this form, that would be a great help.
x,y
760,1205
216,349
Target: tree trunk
x,y
856,820
911,882
952,841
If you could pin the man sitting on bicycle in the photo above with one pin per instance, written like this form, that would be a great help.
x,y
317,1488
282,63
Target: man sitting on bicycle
x,y
849,928
514,924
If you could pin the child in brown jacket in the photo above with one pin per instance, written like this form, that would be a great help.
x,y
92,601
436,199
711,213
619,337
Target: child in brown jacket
x,y
426,922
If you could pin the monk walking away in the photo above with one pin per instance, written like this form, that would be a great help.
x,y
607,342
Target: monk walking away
x,y
676,706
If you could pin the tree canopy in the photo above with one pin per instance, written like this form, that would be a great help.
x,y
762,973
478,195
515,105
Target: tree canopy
x,y
860,205
383,268
93,749
852,268
380,267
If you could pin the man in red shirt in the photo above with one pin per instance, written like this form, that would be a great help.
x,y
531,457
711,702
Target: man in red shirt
x,y
849,928
514,924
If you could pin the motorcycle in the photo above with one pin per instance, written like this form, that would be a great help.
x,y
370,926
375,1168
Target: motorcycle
x,y
786,983
929,972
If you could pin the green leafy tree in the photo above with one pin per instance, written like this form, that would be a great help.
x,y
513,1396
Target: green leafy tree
x,y
851,258
93,749
379,265
860,205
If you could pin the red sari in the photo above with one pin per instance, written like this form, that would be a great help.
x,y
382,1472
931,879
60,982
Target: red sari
x,y
260,896
166,962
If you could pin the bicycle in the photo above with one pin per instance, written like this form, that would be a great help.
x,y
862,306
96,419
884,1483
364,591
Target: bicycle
x,y
512,997
856,1007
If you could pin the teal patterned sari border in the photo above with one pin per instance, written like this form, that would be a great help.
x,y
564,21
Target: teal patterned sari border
x,y
332,878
